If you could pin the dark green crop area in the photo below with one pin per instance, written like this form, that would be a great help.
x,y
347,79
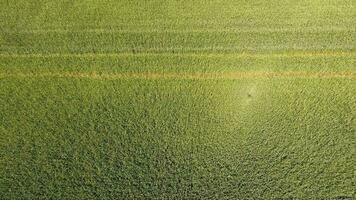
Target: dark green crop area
x,y
177,99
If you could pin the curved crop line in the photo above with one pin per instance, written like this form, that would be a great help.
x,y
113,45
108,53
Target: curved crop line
x,y
183,54
186,75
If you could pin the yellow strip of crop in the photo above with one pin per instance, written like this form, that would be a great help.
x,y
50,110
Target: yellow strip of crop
x,y
176,75
186,54
198,30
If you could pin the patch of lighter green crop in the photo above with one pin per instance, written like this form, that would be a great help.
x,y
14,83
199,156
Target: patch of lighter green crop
x,y
249,95
237,104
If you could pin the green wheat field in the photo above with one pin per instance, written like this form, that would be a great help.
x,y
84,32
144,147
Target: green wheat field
x,y
177,99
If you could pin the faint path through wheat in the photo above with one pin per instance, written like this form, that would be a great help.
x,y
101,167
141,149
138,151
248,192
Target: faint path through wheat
x,y
187,54
64,30
192,76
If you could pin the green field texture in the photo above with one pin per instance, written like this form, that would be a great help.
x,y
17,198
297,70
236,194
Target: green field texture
x,y
171,99
176,26
189,63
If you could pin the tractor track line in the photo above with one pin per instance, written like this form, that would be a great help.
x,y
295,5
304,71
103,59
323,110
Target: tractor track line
x,y
176,75
201,30
182,54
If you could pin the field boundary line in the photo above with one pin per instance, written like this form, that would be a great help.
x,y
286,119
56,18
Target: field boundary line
x,y
186,54
182,75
